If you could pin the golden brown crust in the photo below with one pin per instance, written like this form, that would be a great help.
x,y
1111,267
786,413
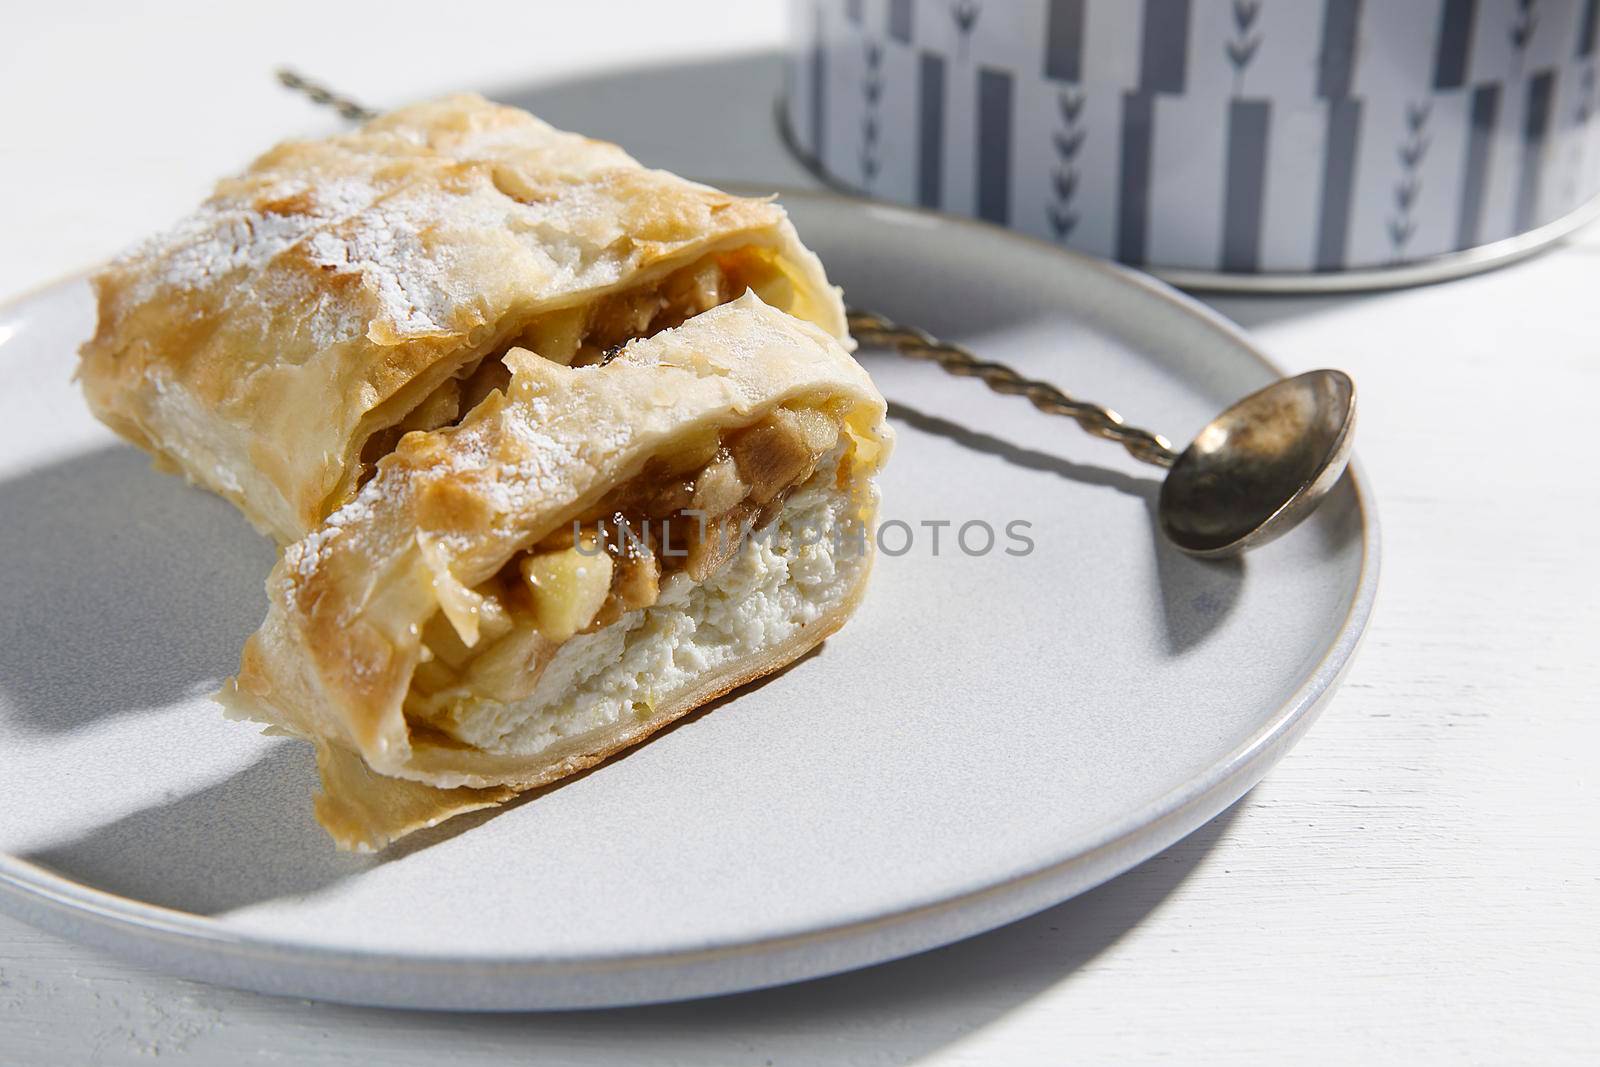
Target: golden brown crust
x,y
334,658
363,811
319,296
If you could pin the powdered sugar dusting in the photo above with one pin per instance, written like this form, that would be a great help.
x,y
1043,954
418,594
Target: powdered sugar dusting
x,y
225,236
418,230
386,246
307,555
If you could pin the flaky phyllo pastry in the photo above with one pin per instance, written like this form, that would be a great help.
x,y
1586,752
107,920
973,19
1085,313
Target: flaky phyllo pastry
x,y
586,557
278,342
561,448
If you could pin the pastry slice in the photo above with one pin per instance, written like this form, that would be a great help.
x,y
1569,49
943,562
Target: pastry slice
x,y
275,345
591,553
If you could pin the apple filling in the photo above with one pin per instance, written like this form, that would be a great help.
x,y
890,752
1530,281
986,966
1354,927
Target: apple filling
x,y
589,334
685,514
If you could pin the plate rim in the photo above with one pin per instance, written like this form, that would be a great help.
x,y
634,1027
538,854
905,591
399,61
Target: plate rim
x,y
62,904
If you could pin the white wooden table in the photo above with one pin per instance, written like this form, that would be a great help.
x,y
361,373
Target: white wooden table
x,y
1418,879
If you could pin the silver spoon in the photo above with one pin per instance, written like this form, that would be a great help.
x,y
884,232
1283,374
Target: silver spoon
x,y
1251,475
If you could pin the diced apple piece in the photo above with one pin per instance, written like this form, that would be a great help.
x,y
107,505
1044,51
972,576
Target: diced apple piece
x,y
638,581
439,637
569,587
509,669
710,549
557,335
783,450
719,486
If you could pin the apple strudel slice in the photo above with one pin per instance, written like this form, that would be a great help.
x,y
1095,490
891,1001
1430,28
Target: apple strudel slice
x,y
341,292
592,552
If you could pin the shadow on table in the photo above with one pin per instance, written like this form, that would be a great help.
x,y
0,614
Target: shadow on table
x,y
1253,312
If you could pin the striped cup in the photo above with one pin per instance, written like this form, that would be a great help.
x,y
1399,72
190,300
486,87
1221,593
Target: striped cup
x,y
1214,138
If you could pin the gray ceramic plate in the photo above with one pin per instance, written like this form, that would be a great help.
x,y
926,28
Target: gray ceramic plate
x,y
991,734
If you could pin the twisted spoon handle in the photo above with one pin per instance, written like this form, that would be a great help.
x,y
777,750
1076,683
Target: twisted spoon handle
x,y
874,329
321,94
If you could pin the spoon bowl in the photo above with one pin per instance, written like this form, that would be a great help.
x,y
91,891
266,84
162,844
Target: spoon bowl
x,y
1261,466
1252,475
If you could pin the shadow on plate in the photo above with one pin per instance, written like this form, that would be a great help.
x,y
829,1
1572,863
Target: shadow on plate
x,y
137,590
251,837
125,590
245,839
1197,596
